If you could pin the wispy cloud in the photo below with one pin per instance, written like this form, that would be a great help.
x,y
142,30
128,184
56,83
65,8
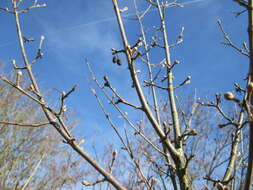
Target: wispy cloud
x,y
193,2
95,23
109,19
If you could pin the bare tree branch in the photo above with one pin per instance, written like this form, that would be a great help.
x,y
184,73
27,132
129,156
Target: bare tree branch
x,y
24,125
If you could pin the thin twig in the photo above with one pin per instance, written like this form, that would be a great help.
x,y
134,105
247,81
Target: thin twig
x,y
32,7
229,41
33,172
121,112
49,114
23,124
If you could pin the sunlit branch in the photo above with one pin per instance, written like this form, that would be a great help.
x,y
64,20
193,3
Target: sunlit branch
x,y
23,124
60,127
120,99
229,42
121,112
32,7
33,172
6,9
126,145
137,85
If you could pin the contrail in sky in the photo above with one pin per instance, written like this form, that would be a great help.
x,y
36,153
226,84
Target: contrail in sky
x,y
191,2
113,18
99,21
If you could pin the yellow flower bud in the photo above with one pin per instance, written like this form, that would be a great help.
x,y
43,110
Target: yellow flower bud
x,y
250,86
229,96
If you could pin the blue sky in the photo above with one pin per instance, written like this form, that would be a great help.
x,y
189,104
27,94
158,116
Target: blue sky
x,y
79,30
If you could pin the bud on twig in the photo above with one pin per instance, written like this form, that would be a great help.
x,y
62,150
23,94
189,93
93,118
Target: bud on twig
x,y
64,108
63,93
106,79
114,153
81,142
116,60
188,80
13,62
250,87
123,10
93,91
42,38
245,45
229,96
218,98
176,62
27,39
18,76
31,88
39,53
85,183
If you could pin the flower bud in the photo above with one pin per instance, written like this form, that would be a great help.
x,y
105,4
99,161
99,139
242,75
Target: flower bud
x,y
229,96
114,59
81,142
114,153
85,183
18,76
93,91
250,87
19,73
13,62
118,62
134,49
64,108
176,62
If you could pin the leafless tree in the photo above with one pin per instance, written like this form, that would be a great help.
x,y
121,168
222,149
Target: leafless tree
x,y
27,157
163,149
